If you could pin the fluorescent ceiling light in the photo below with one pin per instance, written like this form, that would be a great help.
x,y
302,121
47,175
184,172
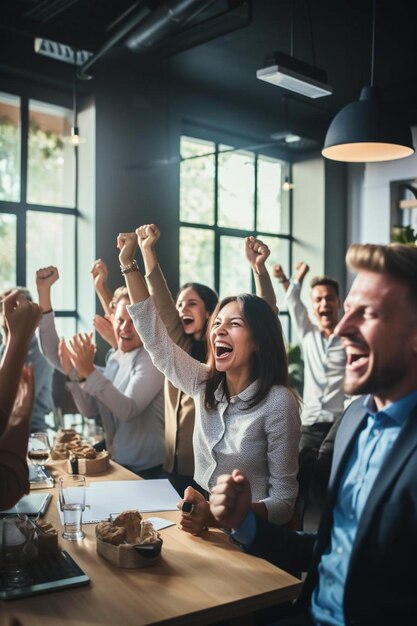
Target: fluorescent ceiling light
x,y
287,135
294,75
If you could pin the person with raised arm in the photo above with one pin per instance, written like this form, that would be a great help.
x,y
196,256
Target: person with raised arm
x,y
323,353
20,318
127,393
186,320
17,390
361,563
104,324
244,407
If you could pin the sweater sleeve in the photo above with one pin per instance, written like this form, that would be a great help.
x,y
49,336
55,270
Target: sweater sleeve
x,y
298,311
179,367
145,382
283,431
291,551
166,308
49,339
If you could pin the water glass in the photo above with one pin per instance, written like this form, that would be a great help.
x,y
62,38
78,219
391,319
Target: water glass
x,y
72,494
19,547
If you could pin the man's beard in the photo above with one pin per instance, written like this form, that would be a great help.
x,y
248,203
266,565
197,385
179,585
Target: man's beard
x,y
377,381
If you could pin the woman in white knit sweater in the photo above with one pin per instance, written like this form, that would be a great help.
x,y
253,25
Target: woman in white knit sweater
x,y
246,414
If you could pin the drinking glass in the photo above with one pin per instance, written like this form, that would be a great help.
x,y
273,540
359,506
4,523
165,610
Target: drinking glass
x,y
19,547
38,451
72,493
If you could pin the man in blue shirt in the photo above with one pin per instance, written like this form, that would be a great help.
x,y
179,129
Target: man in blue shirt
x,y
361,564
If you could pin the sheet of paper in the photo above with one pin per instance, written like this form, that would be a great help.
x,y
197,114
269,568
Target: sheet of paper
x,y
105,499
160,522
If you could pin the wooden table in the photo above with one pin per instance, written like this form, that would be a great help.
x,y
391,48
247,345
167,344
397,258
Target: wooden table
x,y
198,580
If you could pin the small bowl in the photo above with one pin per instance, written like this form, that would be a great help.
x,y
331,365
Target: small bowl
x,y
130,556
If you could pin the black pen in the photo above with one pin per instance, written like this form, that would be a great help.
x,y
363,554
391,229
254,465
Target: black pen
x,y
187,507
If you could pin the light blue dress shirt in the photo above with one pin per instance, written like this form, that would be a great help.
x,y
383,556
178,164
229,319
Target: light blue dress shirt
x,y
371,447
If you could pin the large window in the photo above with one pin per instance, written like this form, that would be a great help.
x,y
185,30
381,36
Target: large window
x,y
38,212
227,194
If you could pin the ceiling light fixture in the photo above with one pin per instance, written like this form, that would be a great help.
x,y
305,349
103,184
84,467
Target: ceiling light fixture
x,y
295,75
287,185
74,139
368,130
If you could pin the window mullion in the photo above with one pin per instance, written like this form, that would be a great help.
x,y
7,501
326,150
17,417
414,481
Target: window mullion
x,y
216,228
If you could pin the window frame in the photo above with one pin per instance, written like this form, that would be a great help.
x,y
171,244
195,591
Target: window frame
x,y
239,143
21,207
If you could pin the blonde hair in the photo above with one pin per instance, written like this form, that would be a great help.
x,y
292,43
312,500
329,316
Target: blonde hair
x,y
396,260
121,293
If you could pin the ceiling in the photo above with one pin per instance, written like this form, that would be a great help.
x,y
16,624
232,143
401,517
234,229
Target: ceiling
x,y
222,46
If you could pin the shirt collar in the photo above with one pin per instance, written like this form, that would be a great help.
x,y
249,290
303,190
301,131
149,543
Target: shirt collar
x,y
246,395
397,411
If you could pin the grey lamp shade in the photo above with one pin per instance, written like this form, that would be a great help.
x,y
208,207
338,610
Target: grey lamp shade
x,y
367,130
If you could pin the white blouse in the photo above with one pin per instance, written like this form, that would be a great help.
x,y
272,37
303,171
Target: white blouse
x,y
261,441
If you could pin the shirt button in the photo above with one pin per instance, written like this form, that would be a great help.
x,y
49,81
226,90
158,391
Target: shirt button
x,y
339,550
330,580
351,516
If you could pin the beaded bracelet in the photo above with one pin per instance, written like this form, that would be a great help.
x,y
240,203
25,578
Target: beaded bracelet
x,y
132,267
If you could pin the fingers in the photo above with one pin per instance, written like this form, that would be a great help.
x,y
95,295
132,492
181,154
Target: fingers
x,y
47,273
278,271
148,232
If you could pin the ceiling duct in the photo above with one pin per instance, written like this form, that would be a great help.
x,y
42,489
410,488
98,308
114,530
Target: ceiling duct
x,y
165,19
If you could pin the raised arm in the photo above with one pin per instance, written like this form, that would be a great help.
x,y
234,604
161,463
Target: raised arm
x,y
21,318
296,307
45,278
180,368
257,252
280,275
148,235
100,274
48,336
135,283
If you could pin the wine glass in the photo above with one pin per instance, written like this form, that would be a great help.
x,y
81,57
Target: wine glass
x,y
38,451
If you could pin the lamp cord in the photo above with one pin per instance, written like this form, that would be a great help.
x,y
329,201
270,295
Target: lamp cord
x,y
310,23
373,43
74,90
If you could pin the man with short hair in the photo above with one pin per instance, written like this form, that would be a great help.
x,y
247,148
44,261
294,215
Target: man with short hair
x,y
323,353
42,370
361,563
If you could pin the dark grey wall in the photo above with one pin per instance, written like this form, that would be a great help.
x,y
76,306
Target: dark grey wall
x,y
139,122
335,238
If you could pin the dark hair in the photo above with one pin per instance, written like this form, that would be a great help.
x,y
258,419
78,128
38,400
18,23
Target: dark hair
x,y
396,260
208,295
326,281
269,362
210,299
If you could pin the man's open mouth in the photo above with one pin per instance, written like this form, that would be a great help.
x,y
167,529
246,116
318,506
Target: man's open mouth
x,y
356,359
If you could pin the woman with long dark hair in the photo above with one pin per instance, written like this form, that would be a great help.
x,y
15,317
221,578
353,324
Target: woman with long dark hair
x,y
246,414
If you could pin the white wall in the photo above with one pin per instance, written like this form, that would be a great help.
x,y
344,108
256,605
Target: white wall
x,y
370,213
308,222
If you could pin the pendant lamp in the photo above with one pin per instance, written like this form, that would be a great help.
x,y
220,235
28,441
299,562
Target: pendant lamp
x,y
368,130
74,138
